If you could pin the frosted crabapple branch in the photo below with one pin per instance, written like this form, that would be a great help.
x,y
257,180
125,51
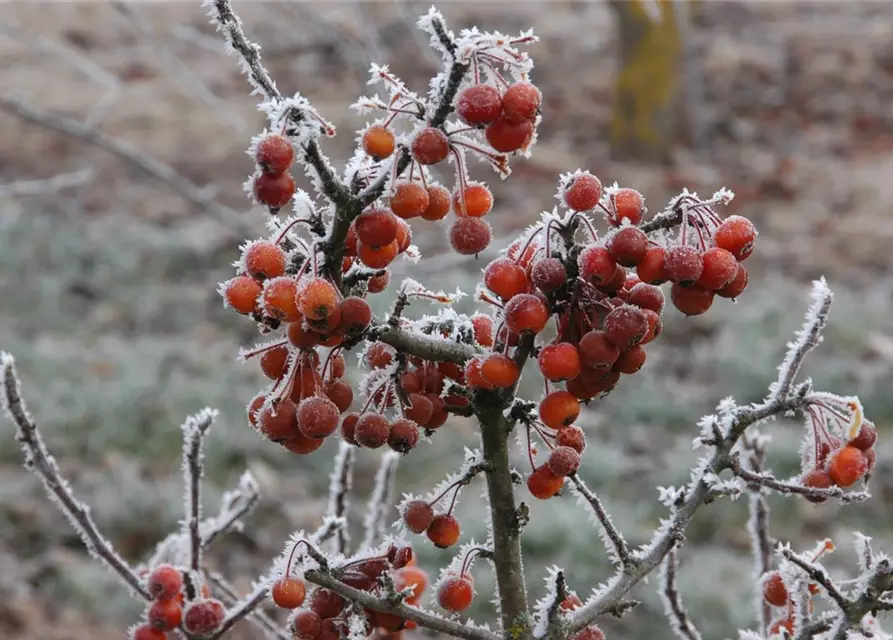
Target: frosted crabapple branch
x,y
680,621
618,546
194,430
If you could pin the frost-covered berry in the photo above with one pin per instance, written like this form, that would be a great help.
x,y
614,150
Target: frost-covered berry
x,y
474,201
720,268
288,593
684,265
499,370
417,515
379,257
483,329
340,393
165,615
736,235
420,409
241,293
526,313
478,105
377,284
430,146
506,136
544,484
355,315
455,593
737,286
409,200
438,203
597,351
274,153
596,264
559,409
817,479
774,590
378,141
469,236
349,427
273,362
203,617
629,204
563,461
631,360
280,422
411,576
318,299
379,355
506,278
307,625
847,465
164,582
274,189
653,267
692,301
559,361
865,438
264,260
145,632
403,435
591,632
376,228
280,299
444,531
521,102
371,431
646,296
327,604
625,326
548,274
582,192
572,437
628,246
318,417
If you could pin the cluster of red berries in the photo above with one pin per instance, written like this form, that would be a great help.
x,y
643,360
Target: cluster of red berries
x,y
272,184
776,594
441,528
841,464
201,617
325,616
375,238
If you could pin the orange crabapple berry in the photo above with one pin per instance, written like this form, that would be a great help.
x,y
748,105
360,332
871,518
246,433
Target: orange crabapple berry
x,y
371,431
404,235
737,235
544,484
597,351
145,632
455,593
572,437
479,104
474,201
563,461
774,590
847,465
628,246
582,192
438,203
526,313
469,236
355,315
720,268
264,260
349,427
288,593
378,257
165,614
377,284
203,617
307,625
625,326
506,136
274,189
411,576
164,582
692,301
499,370
417,515
629,204
241,293
559,409
375,228
631,360
340,393
548,274
300,335
521,102
506,278
420,410
483,329
684,265
737,286
378,141
274,361
280,422
865,438
817,479
444,530
430,146
646,296
274,153
403,435
409,200
280,299
318,417
379,355
559,361
591,632
596,264
474,376
318,299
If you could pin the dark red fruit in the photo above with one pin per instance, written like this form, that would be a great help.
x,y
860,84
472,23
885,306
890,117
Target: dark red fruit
x,y
479,104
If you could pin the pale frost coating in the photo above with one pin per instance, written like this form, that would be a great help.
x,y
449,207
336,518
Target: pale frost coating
x,y
380,499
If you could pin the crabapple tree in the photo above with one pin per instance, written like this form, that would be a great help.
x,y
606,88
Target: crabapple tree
x,y
577,300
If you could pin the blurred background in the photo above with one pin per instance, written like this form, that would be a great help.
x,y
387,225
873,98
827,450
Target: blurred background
x,y
122,135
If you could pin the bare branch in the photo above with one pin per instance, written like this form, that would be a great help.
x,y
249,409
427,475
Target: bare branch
x,y
259,618
39,460
619,548
767,480
339,488
758,525
426,347
194,430
679,620
380,500
235,505
24,188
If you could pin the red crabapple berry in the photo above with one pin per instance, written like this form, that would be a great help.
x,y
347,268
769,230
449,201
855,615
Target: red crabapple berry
x,y
376,228
430,146
506,136
483,329
349,427
340,393
327,604
274,153
692,301
379,257
444,531
403,435
646,296
280,422
411,576
865,438
684,265
307,625
371,431
164,582
563,461
521,102
526,313
274,189
572,437
774,590
847,465
629,204
499,370
591,632
409,200
736,235
264,260
625,326
165,615
582,192
475,201
596,264
469,236
318,417
377,284
653,267
559,409
479,105
280,299
455,593
506,278
817,479
720,268
628,246
420,410
379,355
241,293
145,632
355,315
559,361
544,484
630,361
418,516
737,286
548,274
273,362
203,617
438,203
378,142
288,593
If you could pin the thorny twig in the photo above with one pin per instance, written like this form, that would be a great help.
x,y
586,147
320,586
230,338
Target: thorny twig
x,y
194,430
679,619
380,500
342,479
758,524
620,548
